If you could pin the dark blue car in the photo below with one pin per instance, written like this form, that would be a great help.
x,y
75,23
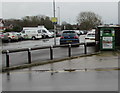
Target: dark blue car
x,y
69,37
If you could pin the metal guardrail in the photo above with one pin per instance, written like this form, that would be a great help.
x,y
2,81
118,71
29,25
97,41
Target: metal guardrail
x,y
7,52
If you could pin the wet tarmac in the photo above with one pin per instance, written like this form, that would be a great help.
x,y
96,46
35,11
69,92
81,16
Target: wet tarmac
x,y
92,73
34,43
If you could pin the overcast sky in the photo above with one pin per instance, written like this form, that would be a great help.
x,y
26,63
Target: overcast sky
x,y
68,10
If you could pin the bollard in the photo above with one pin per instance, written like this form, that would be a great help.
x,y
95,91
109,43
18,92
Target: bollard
x,y
96,46
51,52
7,59
29,55
85,48
69,50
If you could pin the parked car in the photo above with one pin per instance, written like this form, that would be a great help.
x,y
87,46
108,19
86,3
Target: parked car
x,y
90,38
24,36
78,32
12,36
3,37
19,36
58,34
83,32
52,32
69,37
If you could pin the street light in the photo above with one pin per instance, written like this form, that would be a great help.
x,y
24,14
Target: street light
x,y
54,8
54,23
58,15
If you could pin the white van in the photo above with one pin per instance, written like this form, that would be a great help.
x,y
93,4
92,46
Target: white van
x,y
41,29
46,33
32,33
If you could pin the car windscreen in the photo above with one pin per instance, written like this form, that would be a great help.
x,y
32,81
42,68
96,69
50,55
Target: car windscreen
x,y
69,33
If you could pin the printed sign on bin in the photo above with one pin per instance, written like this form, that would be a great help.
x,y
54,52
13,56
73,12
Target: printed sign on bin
x,y
107,42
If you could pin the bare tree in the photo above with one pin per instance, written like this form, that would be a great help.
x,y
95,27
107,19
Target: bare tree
x,y
88,20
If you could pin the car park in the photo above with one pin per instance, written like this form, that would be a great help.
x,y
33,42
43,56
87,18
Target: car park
x,y
90,38
69,37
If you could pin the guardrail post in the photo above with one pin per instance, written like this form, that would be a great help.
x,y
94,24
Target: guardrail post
x,y
7,59
85,48
69,50
29,55
51,52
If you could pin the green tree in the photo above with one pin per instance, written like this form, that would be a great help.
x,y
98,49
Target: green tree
x,y
48,23
29,21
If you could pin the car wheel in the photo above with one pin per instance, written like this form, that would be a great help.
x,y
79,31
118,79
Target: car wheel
x,y
9,40
33,38
43,36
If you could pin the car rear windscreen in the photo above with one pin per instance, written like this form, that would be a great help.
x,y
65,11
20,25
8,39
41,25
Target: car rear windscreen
x,y
69,33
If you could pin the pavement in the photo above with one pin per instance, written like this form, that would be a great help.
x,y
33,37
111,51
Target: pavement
x,y
90,73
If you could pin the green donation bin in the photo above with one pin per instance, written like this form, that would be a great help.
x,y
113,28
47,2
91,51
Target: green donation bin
x,y
107,38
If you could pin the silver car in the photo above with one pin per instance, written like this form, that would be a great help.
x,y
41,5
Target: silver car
x,y
12,36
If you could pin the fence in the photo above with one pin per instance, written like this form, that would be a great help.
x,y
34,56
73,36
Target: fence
x,y
7,52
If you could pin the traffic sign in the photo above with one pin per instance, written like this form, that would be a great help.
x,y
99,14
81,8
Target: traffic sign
x,y
54,20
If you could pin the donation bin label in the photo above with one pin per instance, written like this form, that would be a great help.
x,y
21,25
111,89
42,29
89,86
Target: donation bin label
x,y
107,43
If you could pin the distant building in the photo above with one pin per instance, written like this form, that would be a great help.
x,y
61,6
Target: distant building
x,y
119,12
2,28
4,25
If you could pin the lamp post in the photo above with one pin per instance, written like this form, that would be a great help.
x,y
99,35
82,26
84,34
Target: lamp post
x,y
54,23
54,8
58,15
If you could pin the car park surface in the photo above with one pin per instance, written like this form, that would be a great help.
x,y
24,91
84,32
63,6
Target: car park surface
x,y
92,73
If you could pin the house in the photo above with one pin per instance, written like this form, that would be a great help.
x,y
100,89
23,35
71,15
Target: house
x,y
2,27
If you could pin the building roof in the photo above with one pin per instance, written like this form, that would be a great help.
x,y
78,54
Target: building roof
x,y
2,21
109,26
